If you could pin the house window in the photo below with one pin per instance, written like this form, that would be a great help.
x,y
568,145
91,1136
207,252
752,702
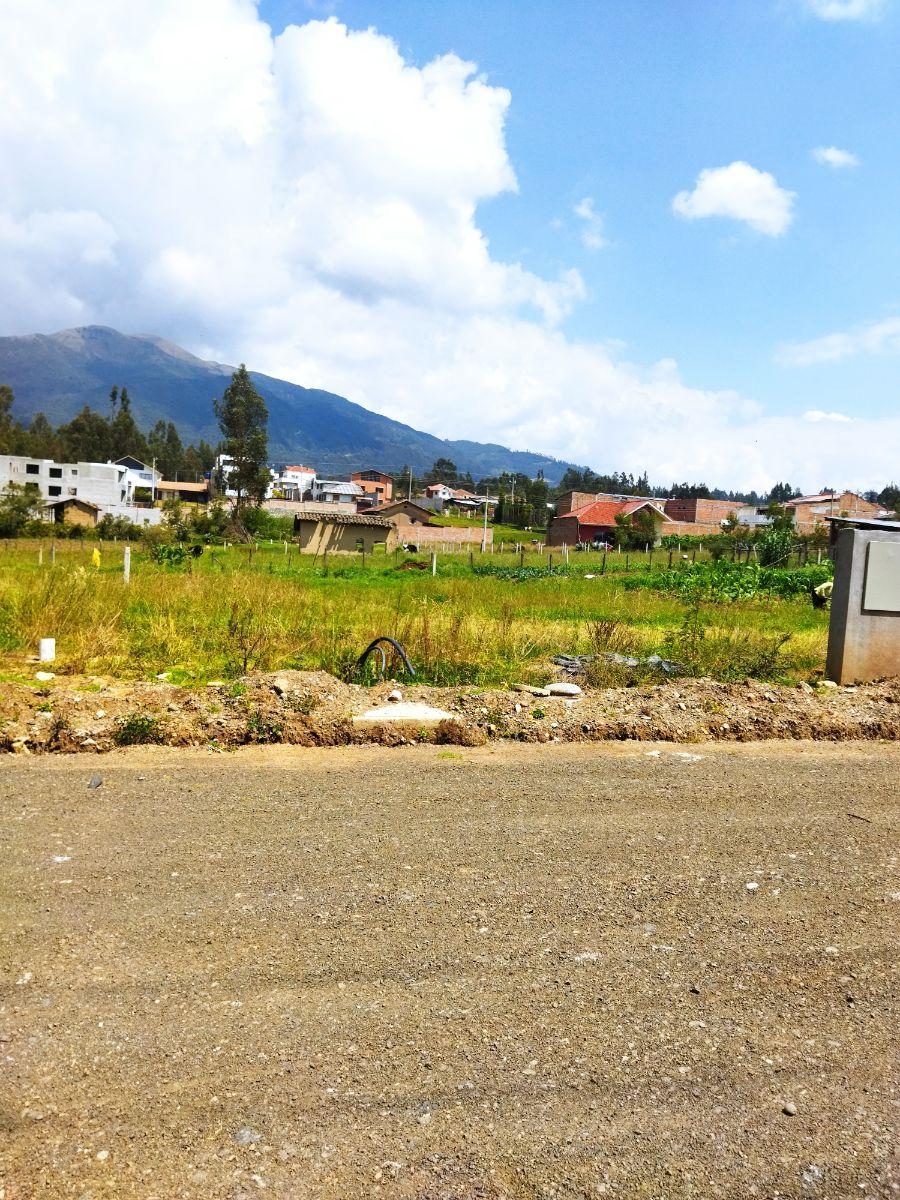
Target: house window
x,y
72,491
55,491
32,469
360,544
56,472
74,471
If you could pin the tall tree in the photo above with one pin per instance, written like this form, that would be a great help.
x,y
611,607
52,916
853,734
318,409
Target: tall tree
x,y
11,432
243,419
124,435
443,471
41,438
86,438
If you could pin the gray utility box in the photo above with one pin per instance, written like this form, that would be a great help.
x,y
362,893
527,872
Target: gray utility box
x,y
864,633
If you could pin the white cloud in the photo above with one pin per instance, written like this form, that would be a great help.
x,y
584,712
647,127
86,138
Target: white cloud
x,y
877,337
846,10
592,224
308,204
831,156
741,192
817,414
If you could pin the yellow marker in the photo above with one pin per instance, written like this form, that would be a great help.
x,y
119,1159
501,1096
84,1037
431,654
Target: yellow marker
x,y
95,558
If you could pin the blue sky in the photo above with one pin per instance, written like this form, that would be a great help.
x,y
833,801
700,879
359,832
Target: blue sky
x,y
626,103
641,235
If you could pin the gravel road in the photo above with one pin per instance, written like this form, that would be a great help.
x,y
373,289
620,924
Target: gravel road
x,y
505,971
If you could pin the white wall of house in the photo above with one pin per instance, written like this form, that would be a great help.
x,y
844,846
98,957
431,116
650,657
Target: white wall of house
x,y
103,484
295,484
149,479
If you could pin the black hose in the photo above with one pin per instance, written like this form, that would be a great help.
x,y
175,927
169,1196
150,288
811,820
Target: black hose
x,y
360,662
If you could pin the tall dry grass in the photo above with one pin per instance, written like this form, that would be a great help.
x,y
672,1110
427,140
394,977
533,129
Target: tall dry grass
x,y
229,614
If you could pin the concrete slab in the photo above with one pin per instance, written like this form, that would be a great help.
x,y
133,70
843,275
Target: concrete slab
x,y
404,712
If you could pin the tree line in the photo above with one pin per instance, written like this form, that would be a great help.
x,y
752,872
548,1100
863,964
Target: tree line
x,y
93,436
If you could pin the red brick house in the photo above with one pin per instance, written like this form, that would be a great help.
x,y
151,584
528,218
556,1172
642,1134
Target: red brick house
x,y
378,487
810,511
597,521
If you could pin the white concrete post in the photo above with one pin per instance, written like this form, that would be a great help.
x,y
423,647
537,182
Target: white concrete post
x,y
126,564
434,562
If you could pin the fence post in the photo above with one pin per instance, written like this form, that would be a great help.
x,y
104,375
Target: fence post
x,y
434,562
40,556
53,552
126,565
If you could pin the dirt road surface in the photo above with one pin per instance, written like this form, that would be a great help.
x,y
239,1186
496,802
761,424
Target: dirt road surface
x,y
509,971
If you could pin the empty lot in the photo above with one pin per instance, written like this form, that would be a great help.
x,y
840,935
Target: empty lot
x,y
512,971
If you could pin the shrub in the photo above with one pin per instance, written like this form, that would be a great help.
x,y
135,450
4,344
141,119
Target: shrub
x,y
138,729
261,728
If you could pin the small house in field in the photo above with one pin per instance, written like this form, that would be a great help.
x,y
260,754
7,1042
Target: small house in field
x,y
402,513
317,532
597,521
73,511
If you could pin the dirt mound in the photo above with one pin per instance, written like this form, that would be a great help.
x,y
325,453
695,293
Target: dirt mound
x,y
312,708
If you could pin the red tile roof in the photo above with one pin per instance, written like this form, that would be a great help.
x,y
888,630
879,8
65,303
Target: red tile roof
x,y
604,512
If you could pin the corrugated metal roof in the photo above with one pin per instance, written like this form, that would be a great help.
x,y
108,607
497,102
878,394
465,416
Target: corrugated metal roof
x,y
337,487
866,522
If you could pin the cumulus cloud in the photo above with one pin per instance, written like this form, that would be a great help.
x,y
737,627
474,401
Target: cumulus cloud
x,y
308,203
877,337
591,224
846,10
741,192
831,156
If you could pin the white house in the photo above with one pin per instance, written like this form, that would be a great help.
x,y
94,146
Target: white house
x,y
138,475
336,491
295,482
102,484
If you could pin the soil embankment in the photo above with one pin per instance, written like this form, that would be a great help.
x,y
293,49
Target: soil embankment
x,y
315,709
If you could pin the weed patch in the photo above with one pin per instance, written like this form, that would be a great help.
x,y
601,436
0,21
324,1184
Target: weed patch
x,y
138,729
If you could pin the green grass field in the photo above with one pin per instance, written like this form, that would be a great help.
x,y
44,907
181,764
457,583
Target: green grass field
x,y
505,534
241,608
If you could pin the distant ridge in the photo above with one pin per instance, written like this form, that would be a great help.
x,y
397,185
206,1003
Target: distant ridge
x,y
59,373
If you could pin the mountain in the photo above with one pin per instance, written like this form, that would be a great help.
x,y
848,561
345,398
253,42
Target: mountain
x,y
59,373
